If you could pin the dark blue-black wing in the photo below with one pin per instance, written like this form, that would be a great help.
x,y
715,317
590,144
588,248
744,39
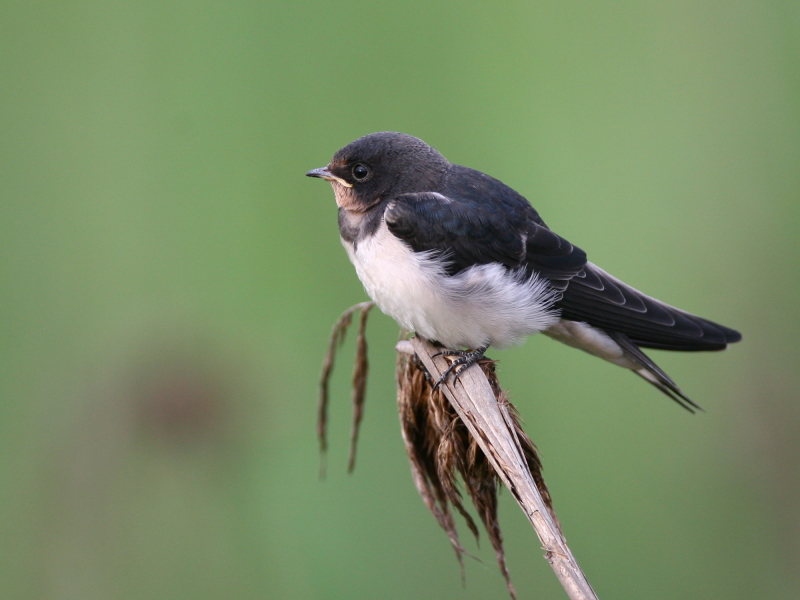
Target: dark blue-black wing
x,y
595,297
469,232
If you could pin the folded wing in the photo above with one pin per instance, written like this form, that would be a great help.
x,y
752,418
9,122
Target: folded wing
x,y
595,297
468,232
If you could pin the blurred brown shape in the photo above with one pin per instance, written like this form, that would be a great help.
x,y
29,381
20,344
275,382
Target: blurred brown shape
x,y
180,399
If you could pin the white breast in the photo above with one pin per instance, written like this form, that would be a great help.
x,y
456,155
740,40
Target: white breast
x,y
484,304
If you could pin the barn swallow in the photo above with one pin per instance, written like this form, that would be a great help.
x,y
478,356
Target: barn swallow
x,y
463,260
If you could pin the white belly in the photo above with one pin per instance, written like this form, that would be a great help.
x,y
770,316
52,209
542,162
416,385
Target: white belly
x,y
590,339
485,304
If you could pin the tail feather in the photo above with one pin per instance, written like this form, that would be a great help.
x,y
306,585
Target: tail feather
x,y
651,372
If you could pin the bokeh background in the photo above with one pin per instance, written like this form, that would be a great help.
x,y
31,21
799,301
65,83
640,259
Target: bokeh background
x,y
168,279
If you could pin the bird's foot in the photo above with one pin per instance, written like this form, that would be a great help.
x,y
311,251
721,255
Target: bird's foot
x,y
464,360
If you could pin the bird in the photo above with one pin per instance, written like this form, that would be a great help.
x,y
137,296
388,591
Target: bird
x,y
461,259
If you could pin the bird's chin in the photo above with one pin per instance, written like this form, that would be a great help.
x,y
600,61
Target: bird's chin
x,y
346,198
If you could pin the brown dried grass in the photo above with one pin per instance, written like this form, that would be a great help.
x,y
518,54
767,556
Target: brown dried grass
x,y
442,451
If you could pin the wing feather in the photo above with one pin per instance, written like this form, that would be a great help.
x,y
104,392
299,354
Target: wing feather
x,y
603,301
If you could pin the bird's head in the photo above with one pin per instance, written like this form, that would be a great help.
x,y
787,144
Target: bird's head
x,y
382,165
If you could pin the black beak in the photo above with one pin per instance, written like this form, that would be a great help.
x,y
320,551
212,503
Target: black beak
x,y
322,173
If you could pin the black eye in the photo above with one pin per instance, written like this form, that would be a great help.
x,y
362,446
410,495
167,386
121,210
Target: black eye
x,y
360,171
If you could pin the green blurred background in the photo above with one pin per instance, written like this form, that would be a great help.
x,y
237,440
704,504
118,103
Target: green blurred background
x,y
169,278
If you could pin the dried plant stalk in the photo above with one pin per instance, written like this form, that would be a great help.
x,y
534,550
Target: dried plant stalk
x,y
468,429
492,425
359,382
359,379
440,448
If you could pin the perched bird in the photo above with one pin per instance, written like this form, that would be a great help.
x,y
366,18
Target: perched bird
x,y
462,259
